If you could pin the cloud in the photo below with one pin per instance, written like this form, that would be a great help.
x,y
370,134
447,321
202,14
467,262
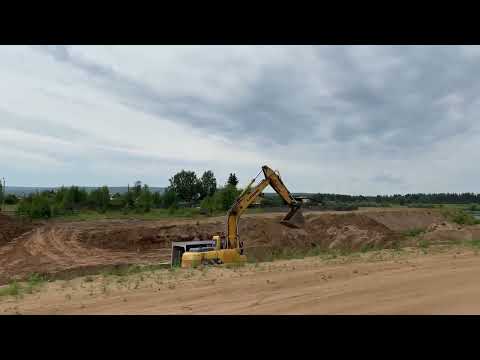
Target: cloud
x,y
351,119
388,179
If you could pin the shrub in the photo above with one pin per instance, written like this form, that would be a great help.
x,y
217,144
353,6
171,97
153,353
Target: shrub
x,y
40,207
473,207
208,205
170,198
35,206
225,197
11,199
144,201
99,199
460,217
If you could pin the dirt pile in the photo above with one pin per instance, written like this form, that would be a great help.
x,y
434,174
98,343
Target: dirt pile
x,y
145,235
448,232
67,246
350,231
53,249
10,228
406,219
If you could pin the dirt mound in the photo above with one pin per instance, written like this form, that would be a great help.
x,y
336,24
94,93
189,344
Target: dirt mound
x,y
10,228
62,247
146,235
447,232
54,249
350,231
406,219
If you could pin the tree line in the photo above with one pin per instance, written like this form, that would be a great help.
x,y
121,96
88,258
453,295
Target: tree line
x,y
185,190
418,198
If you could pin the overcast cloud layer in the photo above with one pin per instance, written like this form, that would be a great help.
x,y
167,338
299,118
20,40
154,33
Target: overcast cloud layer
x,y
344,119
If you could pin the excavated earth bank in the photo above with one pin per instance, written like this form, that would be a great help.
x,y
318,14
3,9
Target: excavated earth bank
x,y
71,247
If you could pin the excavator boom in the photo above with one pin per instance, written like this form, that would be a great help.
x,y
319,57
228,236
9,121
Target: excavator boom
x,y
293,219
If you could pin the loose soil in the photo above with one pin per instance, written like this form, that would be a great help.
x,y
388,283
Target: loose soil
x,y
11,227
384,282
72,248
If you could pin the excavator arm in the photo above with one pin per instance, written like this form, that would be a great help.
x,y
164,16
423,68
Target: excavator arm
x,y
293,219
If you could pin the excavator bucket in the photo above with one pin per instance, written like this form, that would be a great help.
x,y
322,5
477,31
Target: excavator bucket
x,y
294,219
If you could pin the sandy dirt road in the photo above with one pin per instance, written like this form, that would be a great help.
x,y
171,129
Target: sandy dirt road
x,y
386,282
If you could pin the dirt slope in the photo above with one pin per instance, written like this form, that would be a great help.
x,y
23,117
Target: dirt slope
x,y
10,228
65,247
406,219
423,284
58,248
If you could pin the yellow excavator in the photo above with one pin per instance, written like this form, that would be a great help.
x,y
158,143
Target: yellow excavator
x,y
230,249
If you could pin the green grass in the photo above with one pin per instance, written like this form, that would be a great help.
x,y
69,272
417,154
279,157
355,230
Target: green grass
x,y
423,245
131,269
294,253
154,214
367,247
10,208
413,232
473,243
459,216
34,282
12,289
17,289
234,265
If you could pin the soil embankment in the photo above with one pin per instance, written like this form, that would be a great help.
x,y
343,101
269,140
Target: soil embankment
x,y
11,227
398,283
66,247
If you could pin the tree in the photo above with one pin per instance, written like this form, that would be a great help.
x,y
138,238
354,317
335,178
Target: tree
x,y
157,199
232,179
11,199
186,185
145,200
1,193
100,199
208,205
225,197
35,206
169,199
137,188
129,199
208,184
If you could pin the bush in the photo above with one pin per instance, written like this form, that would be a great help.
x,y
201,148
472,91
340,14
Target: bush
x,y
172,209
464,218
473,207
145,200
99,199
345,207
225,197
170,198
11,199
157,200
35,206
460,217
208,205
272,201
422,206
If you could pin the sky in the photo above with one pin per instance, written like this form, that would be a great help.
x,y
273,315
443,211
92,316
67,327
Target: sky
x,y
331,119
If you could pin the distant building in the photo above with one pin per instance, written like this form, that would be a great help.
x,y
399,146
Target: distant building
x,y
303,199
